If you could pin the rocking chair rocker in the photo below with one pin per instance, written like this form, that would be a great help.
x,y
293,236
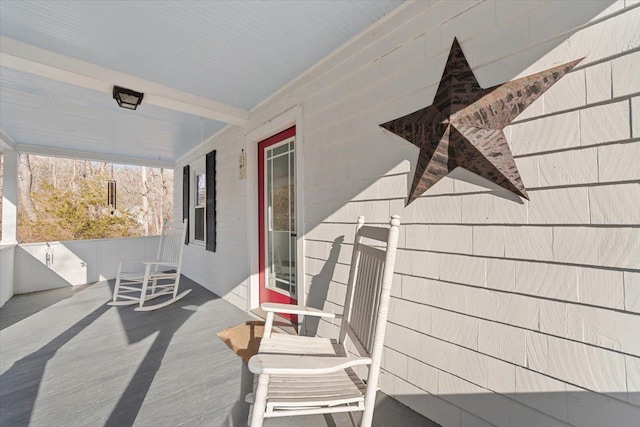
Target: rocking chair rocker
x,y
133,288
299,375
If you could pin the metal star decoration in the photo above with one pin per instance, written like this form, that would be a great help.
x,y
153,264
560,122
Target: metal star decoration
x,y
463,127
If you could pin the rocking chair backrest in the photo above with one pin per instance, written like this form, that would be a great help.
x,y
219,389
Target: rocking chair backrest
x,y
172,243
369,288
366,308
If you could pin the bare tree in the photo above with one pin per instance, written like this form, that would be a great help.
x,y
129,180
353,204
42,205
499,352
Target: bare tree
x,y
144,193
54,175
145,199
25,184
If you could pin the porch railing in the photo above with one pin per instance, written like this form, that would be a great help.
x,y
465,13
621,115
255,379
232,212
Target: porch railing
x,y
7,256
50,265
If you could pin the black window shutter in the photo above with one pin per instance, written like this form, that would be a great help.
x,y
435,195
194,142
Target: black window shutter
x,y
186,174
211,200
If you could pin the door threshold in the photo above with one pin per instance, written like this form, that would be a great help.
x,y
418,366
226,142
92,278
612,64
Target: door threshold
x,y
281,324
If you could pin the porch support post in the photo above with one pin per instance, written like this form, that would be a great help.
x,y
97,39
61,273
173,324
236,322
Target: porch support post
x,y
10,198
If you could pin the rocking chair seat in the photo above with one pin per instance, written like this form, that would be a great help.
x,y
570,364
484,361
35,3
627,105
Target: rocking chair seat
x,y
137,276
295,344
336,388
300,390
328,390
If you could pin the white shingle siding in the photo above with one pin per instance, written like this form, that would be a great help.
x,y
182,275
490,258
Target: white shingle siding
x,y
502,313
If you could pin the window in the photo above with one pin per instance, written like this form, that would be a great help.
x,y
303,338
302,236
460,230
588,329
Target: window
x,y
199,207
199,201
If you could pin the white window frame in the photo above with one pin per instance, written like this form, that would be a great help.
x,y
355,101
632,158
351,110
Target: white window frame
x,y
197,168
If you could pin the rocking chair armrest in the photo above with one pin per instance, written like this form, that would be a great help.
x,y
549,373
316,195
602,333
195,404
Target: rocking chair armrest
x,y
293,364
295,309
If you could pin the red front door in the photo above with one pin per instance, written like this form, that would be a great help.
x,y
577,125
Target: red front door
x,y
277,218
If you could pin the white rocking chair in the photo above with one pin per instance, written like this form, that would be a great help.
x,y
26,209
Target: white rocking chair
x,y
298,375
133,288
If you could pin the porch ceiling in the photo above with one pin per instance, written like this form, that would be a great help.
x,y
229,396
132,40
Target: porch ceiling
x,y
230,55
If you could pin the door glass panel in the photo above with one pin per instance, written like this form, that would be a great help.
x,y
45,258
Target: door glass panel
x,y
280,227
280,150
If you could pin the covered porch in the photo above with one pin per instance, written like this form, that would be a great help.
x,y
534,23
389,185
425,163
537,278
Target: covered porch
x,y
504,312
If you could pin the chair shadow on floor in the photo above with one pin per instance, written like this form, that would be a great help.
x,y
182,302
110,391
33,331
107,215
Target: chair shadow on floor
x,y
239,414
131,400
19,400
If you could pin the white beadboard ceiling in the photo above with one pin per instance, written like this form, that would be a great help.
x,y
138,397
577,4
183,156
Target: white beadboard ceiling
x,y
234,52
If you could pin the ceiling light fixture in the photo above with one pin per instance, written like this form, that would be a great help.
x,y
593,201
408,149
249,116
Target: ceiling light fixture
x,y
127,98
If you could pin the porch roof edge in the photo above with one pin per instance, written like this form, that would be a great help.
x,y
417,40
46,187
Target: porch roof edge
x,y
88,155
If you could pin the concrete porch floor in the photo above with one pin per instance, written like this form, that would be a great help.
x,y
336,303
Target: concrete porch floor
x,y
66,358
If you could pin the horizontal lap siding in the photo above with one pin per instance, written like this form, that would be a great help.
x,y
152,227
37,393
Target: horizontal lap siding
x,y
502,313
224,272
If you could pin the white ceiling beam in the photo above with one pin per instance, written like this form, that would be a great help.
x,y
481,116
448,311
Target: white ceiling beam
x,y
34,60
43,150
6,142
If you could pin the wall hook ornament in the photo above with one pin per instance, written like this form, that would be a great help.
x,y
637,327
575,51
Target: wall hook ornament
x,y
243,164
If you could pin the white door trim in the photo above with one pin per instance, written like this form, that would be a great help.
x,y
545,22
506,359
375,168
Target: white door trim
x,y
291,117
